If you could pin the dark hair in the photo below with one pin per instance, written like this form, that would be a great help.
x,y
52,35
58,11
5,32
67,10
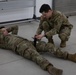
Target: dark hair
x,y
2,27
44,8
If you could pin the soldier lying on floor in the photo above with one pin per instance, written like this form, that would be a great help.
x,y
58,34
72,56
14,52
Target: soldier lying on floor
x,y
26,49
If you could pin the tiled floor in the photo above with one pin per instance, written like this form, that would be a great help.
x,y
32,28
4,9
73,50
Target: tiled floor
x,y
12,64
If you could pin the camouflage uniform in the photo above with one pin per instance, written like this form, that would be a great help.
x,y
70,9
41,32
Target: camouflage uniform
x,y
57,24
22,47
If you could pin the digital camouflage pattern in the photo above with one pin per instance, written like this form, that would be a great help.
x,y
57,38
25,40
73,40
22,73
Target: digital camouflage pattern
x,y
57,24
49,47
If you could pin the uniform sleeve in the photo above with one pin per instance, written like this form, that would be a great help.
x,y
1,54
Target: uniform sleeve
x,y
1,37
13,29
40,28
56,26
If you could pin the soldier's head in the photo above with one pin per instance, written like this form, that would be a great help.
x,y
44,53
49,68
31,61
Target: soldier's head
x,y
3,30
46,11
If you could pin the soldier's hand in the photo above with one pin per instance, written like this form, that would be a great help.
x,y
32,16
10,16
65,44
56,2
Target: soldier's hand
x,y
39,36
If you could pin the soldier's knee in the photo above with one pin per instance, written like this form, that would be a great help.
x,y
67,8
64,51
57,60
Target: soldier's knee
x,y
63,36
27,54
50,47
71,26
40,45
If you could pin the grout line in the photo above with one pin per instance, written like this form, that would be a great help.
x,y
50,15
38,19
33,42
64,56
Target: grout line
x,y
11,61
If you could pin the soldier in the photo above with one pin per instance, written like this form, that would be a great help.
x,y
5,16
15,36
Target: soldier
x,y
52,23
25,48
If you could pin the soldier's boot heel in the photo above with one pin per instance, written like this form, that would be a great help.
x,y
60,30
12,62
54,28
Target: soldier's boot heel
x,y
54,71
72,57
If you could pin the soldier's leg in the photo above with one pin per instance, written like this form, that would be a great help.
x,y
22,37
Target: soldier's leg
x,y
49,47
46,28
65,55
64,36
28,51
13,29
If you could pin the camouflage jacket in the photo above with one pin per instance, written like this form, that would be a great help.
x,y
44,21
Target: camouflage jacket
x,y
10,41
56,22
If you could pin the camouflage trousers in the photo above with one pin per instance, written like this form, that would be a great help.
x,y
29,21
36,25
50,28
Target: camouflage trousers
x,y
42,46
63,33
27,50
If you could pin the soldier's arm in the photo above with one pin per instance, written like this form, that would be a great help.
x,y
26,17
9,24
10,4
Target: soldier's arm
x,y
56,28
1,37
40,28
13,29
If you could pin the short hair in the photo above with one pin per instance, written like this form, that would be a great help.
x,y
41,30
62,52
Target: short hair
x,y
44,8
2,27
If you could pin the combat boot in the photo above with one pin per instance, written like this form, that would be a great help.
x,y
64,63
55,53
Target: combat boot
x,y
54,71
63,44
72,57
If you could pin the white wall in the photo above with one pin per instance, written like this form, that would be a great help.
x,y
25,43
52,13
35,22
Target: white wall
x,y
39,3
16,9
